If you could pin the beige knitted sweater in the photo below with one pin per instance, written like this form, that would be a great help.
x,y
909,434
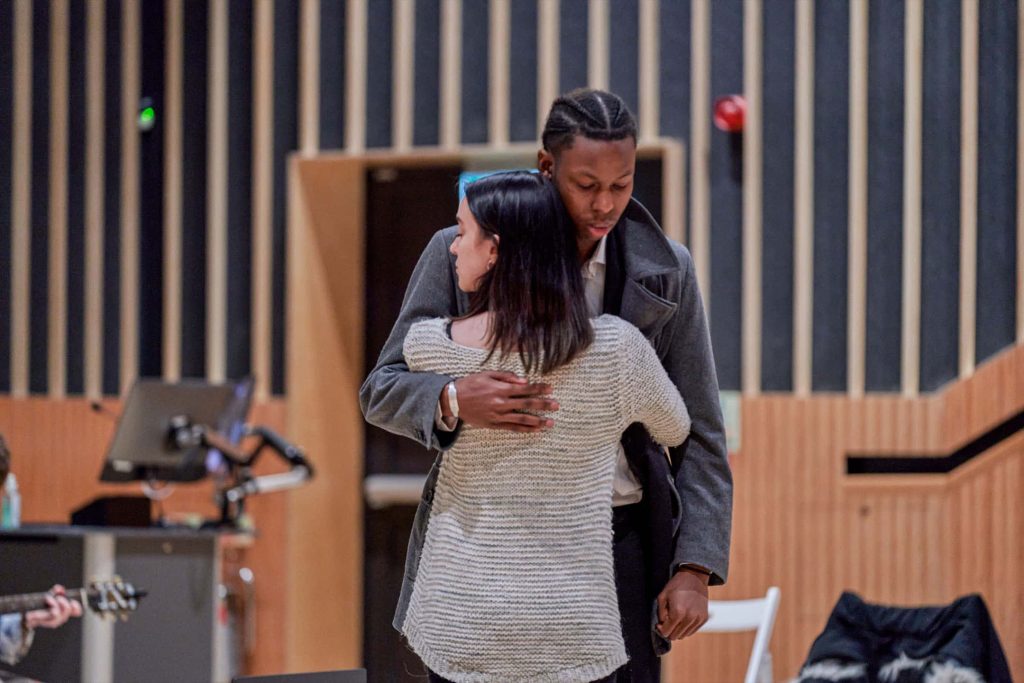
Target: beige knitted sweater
x,y
517,581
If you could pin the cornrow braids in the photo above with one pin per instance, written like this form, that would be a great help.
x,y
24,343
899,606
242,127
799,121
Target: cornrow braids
x,y
594,114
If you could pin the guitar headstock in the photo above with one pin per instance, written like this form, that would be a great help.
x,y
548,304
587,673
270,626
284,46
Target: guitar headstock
x,y
113,598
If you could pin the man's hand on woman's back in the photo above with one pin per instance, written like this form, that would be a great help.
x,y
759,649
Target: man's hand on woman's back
x,y
498,400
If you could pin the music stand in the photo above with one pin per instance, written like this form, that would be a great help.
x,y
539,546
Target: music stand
x,y
182,431
144,447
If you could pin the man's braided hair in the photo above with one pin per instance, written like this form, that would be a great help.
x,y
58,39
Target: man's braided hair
x,y
594,114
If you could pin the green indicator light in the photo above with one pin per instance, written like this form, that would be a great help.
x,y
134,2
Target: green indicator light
x,y
147,119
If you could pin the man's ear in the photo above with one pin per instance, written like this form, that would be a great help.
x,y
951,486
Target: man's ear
x,y
545,163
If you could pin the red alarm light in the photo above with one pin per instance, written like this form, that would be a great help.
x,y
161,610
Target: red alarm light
x,y
730,112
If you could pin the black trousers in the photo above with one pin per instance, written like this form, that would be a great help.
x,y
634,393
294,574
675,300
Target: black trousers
x,y
630,576
643,666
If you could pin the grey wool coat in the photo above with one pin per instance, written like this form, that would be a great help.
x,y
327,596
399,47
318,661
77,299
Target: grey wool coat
x,y
649,281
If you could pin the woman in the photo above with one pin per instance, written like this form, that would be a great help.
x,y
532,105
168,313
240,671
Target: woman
x,y
516,581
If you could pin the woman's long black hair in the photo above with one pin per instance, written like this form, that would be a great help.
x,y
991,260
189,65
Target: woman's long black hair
x,y
534,292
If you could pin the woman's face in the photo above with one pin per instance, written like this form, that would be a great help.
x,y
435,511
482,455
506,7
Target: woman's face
x,y
475,251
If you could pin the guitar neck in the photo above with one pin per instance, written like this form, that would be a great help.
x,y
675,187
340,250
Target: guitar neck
x,y
26,602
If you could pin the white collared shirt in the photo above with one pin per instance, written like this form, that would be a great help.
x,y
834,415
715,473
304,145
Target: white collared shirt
x,y
626,489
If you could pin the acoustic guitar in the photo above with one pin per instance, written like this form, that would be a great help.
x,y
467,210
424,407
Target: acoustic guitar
x,y
113,598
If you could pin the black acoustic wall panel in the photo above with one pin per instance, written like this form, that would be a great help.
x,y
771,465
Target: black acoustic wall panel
x,y
332,73
194,143
74,351
112,185
940,197
831,188
885,195
572,44
475,81
726,197
427,74
40,201
522,84
997,178
6,159
779,90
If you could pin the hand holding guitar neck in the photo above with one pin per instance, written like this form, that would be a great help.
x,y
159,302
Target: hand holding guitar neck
x,y
59,608
53,608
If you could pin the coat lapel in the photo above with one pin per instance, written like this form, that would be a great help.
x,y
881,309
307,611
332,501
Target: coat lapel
x,y
631,276
645,309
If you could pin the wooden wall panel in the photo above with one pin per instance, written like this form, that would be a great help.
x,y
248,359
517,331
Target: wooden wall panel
x,y
58,448
799,523
325,369
992,394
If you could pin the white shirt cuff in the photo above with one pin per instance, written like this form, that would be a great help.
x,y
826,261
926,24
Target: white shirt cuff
x,y
439,420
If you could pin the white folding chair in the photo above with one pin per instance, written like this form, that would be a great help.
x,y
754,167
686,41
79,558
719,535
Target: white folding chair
x,y
731,616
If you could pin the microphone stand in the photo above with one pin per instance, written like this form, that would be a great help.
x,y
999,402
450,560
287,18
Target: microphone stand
x,y
184,434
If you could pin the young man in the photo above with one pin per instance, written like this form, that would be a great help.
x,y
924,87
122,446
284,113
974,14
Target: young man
x,y
672,520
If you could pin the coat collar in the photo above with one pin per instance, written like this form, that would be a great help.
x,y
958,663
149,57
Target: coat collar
x,y
639,240
638,250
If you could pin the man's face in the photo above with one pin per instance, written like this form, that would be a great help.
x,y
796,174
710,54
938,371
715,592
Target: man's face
x,y
595,180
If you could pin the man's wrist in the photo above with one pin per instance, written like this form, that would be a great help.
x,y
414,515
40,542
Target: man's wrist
x,y
700,571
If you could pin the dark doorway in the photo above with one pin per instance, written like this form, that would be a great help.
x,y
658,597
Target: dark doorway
x,y
404,208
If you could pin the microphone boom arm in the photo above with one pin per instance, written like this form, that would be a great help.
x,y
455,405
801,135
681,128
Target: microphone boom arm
x,y
184,434
301,470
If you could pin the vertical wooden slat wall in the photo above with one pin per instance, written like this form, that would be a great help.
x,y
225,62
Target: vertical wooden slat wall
x,y
827,343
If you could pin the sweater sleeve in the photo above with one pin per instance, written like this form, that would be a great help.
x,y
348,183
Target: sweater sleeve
x,y
418,349
649,396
